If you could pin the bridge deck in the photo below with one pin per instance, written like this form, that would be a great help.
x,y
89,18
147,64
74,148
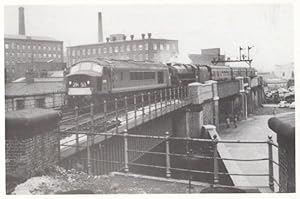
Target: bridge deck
x,y
68,144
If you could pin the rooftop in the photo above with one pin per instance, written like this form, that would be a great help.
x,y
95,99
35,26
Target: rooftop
x,y
36,88
25,37
119,42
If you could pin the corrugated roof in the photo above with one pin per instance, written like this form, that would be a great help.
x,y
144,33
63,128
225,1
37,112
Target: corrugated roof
x,y
25,37
36,88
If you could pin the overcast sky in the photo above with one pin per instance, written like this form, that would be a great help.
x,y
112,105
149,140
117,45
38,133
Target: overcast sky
x,y
268,27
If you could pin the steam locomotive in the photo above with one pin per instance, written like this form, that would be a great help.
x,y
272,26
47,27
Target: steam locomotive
x,y
90,79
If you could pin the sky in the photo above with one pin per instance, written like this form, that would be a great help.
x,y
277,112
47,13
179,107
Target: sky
x,y
267,27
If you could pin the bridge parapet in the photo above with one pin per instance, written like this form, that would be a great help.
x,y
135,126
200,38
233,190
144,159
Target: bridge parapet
x,y
201,92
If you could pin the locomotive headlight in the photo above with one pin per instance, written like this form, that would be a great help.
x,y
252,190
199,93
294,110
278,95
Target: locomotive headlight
x,y
88,82
70,82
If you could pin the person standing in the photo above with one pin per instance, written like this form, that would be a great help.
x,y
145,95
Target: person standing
x,y
227,122
235,121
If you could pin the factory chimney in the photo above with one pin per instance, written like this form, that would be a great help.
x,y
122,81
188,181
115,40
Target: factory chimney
x,y
21,21
100,31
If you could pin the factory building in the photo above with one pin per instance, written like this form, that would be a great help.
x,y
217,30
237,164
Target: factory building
x,y
207,56
119,46
24,52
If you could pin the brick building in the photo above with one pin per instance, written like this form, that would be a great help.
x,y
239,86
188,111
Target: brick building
x,y
118,47
207,56
22,52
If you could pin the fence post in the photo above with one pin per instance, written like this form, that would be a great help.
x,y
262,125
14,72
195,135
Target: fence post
x,y
166,98
189,156
134,102
77,128
142,107
126,168
149,101
168,164
271,173
116,110
174,98
160,96
105,116
89,165
53,100
216,166
155,103
58,148
126,110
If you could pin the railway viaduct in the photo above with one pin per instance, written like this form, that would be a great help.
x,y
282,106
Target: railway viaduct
x,y
182,112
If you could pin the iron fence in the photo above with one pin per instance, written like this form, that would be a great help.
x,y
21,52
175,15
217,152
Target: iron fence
x,y
125,152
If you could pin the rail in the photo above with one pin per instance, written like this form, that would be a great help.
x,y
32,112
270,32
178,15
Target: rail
x,y
123,153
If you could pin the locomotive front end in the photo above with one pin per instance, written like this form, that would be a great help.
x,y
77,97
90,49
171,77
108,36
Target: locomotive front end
x,y
83,82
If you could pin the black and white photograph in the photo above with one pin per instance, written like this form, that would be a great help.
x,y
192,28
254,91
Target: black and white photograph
x,y
148,98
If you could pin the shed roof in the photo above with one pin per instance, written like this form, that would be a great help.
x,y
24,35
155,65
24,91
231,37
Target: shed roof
x,y
25,37
36,88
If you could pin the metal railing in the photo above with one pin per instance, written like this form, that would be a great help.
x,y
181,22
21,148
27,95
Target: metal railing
x,y
124,151
112,114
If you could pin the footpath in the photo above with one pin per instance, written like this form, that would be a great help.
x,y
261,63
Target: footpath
x,y
255,128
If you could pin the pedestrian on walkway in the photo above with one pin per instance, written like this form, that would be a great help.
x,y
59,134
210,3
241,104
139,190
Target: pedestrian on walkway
x,y
235,121
227,122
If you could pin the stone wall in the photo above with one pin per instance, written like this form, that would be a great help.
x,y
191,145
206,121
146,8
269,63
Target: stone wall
x,y
25,157
286,156
31,141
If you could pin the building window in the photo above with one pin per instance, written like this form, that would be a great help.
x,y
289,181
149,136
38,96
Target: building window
x,y
20,104
40,103
44,47
146,46
167,46
99,51
88,51
54,48
154,47
54,55
122,48
116,49
44,55
128,48
59,56
73,53
39,47
58,48
174,47
33,47
161,47
78,52
94,51
6,46
110,49
49,55
141,47
104,50
134,47
83,52
23,46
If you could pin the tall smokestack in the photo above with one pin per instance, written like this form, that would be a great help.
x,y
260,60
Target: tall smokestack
x,y
100,31
21,21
